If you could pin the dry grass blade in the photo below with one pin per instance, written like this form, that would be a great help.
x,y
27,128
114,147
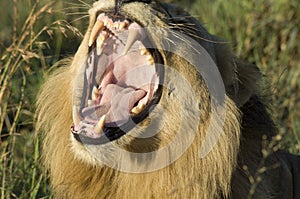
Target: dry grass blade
x,y
18,62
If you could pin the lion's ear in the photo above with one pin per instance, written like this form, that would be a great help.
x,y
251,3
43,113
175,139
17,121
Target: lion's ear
x,y
240,79
248,78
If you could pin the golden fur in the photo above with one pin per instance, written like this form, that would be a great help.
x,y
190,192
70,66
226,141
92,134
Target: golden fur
x,y
74,173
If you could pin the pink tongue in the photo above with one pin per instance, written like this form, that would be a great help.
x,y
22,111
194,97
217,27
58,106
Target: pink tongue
x,y
121,101
118,101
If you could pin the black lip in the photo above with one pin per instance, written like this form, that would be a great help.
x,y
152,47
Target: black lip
x,y
113,133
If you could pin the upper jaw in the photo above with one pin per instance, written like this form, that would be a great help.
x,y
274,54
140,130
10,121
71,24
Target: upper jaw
x,y
117,94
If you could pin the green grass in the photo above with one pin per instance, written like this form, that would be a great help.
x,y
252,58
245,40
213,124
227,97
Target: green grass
x,y
35,34
266,33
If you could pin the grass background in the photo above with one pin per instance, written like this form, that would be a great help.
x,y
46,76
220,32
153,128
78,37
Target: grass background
x,y
36,34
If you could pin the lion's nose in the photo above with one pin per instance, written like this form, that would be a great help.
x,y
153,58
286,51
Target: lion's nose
x,y
128,1
118,3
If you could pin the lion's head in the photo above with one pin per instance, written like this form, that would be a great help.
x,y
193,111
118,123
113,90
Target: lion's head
x,y
148,107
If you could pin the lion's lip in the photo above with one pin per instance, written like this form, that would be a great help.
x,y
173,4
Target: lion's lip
x,y
120,81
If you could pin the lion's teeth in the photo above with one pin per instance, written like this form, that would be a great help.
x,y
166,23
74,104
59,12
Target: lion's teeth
x,y
91,103
76,116
98,129
150,59
133,36
123,25
95,93
144,51
138,109
100,44
98,27
106,22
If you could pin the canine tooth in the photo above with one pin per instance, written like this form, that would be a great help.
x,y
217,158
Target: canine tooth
x,y
76,116
95,93
138,109
133,36
100,125
90,103
98,27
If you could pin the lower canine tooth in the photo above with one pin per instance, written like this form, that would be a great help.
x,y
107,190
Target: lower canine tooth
x,y
98,27
138,109
100,125
75,115
90,103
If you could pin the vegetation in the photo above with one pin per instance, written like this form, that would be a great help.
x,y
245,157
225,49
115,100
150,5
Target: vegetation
x,y
35,34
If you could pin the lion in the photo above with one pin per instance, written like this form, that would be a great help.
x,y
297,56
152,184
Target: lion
x,y
153,106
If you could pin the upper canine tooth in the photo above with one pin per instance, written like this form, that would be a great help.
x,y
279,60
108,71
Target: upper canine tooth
x,y
98,27
133,35
100,125
76,117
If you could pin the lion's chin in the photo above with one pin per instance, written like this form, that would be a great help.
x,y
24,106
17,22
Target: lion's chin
x,y
119,82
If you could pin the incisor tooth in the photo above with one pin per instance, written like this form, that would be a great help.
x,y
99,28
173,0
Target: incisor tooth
x,y
100,125
133,36
138,109
76,116
122,25
98,27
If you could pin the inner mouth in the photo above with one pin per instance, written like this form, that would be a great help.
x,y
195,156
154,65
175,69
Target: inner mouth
x,y
121,81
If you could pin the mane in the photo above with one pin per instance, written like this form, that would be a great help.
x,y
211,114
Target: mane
x,y
188,176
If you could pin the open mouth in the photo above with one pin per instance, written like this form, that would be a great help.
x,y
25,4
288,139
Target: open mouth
x,y
121,81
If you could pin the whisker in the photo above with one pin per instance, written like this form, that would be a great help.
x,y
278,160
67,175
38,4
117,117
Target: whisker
x,y
79,18
74,7
184,17
188,29
86,4
81,4
76,13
